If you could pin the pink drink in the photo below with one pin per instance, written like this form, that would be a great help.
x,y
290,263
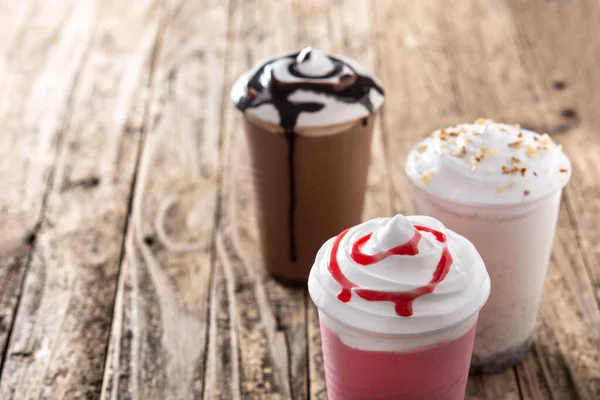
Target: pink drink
x,y
398,303
500,186
438,371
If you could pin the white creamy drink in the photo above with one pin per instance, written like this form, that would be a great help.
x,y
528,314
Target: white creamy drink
x,y
500,187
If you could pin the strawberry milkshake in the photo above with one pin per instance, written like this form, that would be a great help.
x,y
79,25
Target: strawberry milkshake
x,y
398,301
499,186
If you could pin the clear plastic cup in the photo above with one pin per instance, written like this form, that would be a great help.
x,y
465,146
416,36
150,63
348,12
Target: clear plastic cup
x,y
364,365
326,187
515,242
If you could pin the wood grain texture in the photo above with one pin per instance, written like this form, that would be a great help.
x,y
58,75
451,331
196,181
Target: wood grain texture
x,y
58,341
416,67
489,75
159,334
481,39
434,73
498,386
344,27
36,85
567,341
568,344
129,266
264,333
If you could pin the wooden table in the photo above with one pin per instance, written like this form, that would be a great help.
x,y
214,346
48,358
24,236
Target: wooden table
x,y
128,261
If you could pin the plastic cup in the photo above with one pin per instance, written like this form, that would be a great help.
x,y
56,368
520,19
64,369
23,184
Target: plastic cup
x,y
366,365
515,242
306,190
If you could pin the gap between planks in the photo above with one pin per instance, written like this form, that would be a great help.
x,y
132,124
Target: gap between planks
x,y
131,198
60,132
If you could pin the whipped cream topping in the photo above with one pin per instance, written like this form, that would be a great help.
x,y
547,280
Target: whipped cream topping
x,y
307,89
488,163
389,260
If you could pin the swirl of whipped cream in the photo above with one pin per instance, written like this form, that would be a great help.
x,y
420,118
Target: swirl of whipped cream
x,y
307,89
400,275
488,163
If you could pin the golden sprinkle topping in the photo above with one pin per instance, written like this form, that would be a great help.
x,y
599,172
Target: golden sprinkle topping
x,y
452,140
534,173
480,121
426,177
501,189
513,170
520,135
515,160
546,139
460,152
474,161
515,145
454,133
526,193
442,134
564,170
484,150
532,152
422,148
522,171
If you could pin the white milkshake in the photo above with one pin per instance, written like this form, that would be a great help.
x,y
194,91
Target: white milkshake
x,y
500,187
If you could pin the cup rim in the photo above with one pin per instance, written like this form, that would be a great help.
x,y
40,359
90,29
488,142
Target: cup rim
x,y
489,205
310,132
405,335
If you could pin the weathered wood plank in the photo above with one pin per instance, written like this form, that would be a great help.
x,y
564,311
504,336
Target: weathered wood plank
x,y
500,386
414,65
344,27
500,49
533,377
193,303
58,343
159,334
489,81
487,74
261,323
36,82
568,339
444,74
559,60
314,29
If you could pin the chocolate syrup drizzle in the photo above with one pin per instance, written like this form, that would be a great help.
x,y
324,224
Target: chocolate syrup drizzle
x,y
291,139
264,88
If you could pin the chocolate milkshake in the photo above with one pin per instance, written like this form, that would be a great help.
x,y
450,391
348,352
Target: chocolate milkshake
x,y
499,186
309,118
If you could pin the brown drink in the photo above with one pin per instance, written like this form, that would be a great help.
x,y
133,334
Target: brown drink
x,y
309,119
